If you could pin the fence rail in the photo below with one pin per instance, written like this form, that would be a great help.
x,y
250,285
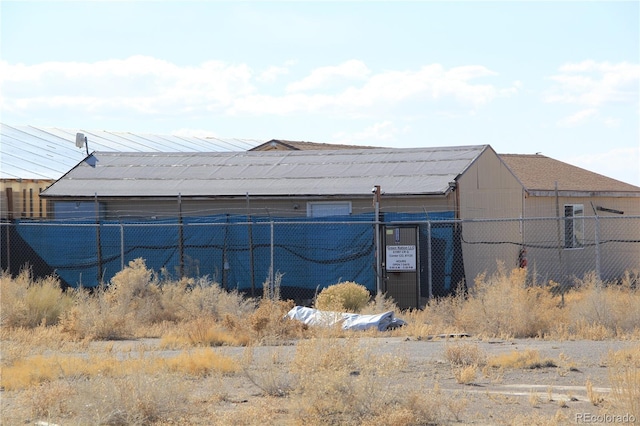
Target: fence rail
x,y
244,253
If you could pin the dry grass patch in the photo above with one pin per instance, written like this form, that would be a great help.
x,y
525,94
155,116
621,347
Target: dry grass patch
x,y
31,371
465,360
201,332
528,359
624,375
339,382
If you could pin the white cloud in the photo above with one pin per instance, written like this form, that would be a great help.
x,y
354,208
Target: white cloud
x,y
384,131
322,77
578,118
140,84
382,91
593,84
272,73
198,133
624,163
145,86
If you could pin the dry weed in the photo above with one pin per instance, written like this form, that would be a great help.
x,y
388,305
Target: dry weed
x,y
30,303
505,306
201,332
528,359
269,373
466,374
624,375
464,354
339,382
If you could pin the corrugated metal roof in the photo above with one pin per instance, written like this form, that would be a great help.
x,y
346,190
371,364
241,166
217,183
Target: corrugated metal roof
x,y
271,173
540,173
28,152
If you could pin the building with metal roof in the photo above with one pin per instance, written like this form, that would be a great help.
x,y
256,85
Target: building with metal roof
x,y
32,158
327,173
491,196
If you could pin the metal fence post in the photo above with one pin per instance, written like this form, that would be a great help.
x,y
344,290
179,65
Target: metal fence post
x,y
180,236
98,243
121,247
271,268
597,244
429,275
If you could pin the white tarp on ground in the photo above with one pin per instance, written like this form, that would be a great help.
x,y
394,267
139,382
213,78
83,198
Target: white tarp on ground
x,y
310,316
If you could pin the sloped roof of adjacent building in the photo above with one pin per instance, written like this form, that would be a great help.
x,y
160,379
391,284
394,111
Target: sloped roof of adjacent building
x,y
399,171
29,152
539,174
279,144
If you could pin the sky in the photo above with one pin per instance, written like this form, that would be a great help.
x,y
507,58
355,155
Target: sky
x,y
557,78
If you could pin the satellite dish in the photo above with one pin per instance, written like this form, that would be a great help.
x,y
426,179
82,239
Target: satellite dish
x,y
81,140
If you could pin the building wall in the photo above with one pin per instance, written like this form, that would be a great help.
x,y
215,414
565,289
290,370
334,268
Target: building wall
x,y
607,243
291,207
25,201
488,190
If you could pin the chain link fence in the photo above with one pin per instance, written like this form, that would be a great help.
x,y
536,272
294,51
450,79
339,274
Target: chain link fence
x,y
250,254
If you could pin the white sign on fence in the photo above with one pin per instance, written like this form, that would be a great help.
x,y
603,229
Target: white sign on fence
x,y
401,258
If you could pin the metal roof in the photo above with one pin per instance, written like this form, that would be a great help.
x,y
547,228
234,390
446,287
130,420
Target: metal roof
x,y
28,152
399,171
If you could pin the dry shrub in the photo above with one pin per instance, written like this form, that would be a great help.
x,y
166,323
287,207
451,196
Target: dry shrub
x,y
135,300
465,358
135,399
346,296
381,303
189,299
339,382
201,332
504,306
29,303
624,375
98,316
268,324
268,373
135,290
599,311
528,359
464,354
465,374
50,400
417,407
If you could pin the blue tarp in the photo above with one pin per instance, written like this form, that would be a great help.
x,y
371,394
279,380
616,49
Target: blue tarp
x,y
310,253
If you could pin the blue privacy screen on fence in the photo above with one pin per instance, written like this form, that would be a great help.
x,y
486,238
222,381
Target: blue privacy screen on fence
x,y
236,251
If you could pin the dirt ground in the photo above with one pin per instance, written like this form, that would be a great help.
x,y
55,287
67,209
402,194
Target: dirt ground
x,y
555,394
507,396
